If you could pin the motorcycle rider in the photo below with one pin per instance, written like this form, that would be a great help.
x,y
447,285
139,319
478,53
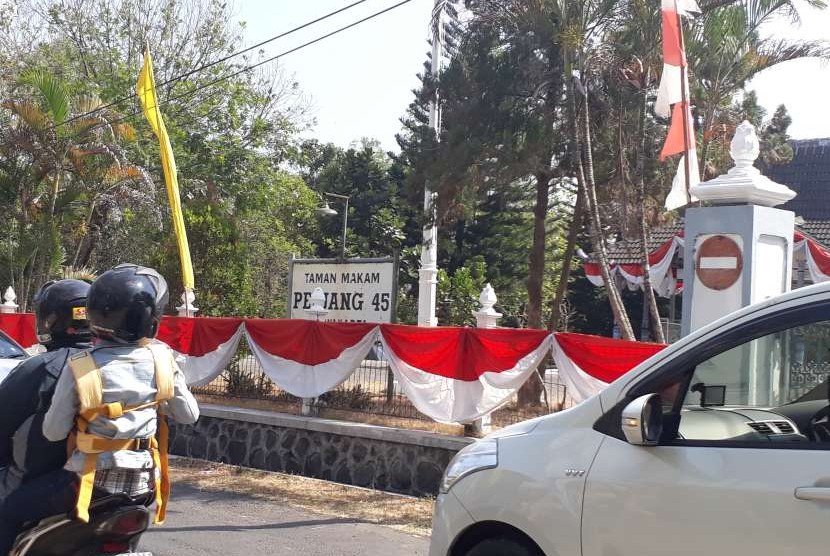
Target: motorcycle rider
x,y
25,396
109,399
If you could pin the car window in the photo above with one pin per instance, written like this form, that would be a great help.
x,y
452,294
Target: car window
x,y
772,388
771,371
8,350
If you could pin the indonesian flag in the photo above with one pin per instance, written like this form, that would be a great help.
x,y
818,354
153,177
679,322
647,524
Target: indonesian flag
x,y
674,55
672,85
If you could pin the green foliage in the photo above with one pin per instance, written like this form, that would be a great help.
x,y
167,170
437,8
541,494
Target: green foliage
x,y
244,379
458,293
354,397
380,222
54,92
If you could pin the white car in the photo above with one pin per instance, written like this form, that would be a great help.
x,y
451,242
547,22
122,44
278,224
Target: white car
x,y
719,444
11,354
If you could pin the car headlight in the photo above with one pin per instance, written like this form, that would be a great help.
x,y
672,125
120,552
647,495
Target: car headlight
x,y
481,455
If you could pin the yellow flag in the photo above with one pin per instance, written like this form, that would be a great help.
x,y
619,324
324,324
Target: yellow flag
x,y
146,90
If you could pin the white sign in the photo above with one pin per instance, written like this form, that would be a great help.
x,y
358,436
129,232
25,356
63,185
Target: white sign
x,y
355,290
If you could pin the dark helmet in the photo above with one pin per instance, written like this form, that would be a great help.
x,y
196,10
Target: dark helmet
x,y
60,312
126,303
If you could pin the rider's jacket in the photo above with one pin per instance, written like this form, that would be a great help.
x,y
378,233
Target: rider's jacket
x,y
25,396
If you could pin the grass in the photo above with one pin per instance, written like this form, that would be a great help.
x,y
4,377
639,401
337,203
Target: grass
x,y
405,513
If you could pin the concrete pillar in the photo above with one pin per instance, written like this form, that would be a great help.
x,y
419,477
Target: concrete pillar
x,y
739,251
9,298
187,309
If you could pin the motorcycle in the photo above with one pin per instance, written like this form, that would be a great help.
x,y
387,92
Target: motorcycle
x,y
115,526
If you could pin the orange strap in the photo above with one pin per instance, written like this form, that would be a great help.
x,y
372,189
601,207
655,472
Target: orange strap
x,y
162,463
93,445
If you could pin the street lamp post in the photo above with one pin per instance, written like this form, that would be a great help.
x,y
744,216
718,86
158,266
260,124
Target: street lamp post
x,y
428,273
326,210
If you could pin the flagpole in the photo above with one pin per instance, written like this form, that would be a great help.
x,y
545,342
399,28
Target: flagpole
x,y
684,100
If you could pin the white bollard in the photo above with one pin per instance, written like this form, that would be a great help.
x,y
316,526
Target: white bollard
x,y
318,301
9,305
486,317
187,309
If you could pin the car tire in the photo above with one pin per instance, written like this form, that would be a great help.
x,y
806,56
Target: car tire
x,y
502,547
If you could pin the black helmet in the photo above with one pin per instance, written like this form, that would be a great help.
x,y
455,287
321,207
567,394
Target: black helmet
x,y
126,303
60,312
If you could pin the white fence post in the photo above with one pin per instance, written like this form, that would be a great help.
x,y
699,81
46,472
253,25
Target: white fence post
x,y
9,305
317,311
486,317
187,309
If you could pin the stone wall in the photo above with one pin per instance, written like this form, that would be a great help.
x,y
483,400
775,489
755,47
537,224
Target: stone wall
x,y
396,460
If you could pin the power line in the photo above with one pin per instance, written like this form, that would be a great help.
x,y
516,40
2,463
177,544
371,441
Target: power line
x,y
215,62
253,66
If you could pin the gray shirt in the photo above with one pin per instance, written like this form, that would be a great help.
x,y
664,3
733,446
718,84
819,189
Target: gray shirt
x,y
128,376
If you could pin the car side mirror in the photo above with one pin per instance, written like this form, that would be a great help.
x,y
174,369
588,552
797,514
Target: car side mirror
x,y
642,420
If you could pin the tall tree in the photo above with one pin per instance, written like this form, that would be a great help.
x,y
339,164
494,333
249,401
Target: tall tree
x,y
55,172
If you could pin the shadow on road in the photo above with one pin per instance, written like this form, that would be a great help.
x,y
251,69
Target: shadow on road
x,y
261,527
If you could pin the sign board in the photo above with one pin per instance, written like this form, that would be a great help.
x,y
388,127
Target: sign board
x,y
719,262
355,290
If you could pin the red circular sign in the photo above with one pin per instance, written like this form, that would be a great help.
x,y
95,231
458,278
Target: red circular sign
x,y
719,262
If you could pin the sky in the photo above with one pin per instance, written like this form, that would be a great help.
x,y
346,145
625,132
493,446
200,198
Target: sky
x,y
360,82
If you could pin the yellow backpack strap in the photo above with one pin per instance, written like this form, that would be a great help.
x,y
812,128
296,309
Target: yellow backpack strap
x,y
90,390
161,460
165,370
165,375
88,381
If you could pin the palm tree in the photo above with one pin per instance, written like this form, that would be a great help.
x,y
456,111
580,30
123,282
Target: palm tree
x,y
726,50
56,165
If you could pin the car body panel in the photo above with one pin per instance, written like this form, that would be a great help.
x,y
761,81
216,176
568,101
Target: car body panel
x,y
538,485
449,519
691,500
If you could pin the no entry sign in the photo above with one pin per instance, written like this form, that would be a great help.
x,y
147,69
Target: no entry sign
x,y
719,262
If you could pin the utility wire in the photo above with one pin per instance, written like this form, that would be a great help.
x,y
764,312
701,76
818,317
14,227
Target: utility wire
x,y
215,62
250,67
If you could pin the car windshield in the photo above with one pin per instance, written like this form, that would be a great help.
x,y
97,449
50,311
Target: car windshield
x,y
10,350
778,369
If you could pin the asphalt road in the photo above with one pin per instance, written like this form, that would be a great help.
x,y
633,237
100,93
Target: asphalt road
x,y
228,524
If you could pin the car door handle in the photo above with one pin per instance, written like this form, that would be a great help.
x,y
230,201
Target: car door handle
x,y
815,494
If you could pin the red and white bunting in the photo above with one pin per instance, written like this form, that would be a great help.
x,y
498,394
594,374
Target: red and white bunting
x,y
309,358
453,375
204,346
817,257
663,278
588,364
456,375
664,282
